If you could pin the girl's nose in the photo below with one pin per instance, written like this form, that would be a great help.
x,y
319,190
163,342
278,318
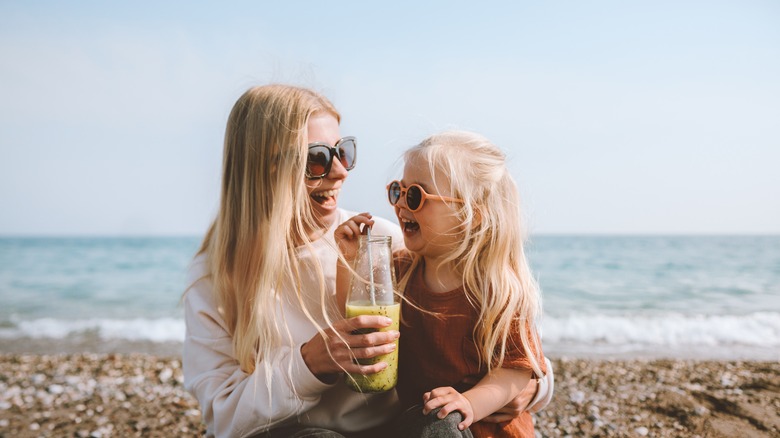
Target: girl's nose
x,y
401,203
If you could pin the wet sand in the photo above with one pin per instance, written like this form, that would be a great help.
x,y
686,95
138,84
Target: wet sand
x,y
106,394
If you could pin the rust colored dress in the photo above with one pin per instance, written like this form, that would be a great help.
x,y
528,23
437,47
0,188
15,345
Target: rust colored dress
x,y
440,351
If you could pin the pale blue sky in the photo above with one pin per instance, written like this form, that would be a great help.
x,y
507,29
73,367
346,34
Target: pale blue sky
x,y
617,117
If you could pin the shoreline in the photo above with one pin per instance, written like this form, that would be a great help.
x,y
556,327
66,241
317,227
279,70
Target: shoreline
x,y
567,350
139,394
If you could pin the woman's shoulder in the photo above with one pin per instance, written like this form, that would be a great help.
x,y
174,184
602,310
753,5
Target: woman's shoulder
x,y
198,282
197,268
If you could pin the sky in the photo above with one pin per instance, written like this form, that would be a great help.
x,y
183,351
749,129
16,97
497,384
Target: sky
x,y
617,117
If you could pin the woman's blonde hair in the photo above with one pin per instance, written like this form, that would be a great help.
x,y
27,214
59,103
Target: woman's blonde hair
x,y
264,214
490,254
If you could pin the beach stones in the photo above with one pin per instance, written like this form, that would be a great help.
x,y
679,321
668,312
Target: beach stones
x,y
100,395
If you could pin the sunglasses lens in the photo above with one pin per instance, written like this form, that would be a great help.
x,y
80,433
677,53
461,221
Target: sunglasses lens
x,y
394,192
317,161
413,197
347,153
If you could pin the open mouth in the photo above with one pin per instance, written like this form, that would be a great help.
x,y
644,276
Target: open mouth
x,y
325,197
409,225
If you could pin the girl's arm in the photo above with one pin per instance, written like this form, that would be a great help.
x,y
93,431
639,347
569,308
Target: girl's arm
x,y
535,397
493,392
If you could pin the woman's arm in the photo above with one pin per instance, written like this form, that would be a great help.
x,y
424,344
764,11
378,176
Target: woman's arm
x,y
493,392
288,382
233,402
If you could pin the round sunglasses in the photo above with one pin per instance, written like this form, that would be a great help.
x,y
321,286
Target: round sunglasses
x,y
320,157
415,196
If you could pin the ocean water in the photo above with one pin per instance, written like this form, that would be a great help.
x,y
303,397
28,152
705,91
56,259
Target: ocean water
x,y
603,296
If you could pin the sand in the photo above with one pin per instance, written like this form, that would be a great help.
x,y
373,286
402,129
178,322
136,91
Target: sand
x,y
103,394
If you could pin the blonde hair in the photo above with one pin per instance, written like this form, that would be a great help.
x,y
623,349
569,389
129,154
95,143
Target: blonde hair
x,y
264,214
490,255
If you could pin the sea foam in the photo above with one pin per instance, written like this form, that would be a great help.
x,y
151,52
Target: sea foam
x,y
138,329
760,329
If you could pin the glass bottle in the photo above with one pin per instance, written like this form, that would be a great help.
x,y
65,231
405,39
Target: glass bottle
x,y
372,292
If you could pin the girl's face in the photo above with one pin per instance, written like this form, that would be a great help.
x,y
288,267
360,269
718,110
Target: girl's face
x,y
324,192
433,230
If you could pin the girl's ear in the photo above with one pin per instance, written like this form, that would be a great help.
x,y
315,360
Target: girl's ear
x,y
477,220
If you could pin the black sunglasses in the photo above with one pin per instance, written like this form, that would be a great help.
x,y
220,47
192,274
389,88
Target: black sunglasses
x,y
415,196
320,157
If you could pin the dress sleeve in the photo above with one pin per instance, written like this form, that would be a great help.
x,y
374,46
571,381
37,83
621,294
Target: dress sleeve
x,y
516,358
544,390
234,403
515,355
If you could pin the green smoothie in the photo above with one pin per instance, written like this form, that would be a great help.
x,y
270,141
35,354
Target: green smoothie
x,y
387,378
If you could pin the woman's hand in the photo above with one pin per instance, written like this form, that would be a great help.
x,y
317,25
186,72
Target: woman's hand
x,y
449,400
335,351
346,234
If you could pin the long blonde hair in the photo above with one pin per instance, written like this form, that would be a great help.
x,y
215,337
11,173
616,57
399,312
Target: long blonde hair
x,y
264,214
490,256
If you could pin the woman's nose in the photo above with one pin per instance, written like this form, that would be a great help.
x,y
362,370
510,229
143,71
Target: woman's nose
x,y
337,170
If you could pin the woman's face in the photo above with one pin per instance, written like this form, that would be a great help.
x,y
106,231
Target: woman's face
x,y
324,192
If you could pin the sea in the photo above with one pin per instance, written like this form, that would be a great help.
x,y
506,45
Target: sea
x,y
610,297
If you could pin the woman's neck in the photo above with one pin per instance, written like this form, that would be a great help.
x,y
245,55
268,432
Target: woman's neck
x,y
440,276
314,233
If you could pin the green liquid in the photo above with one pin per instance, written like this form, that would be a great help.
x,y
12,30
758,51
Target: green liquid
x,y
386,379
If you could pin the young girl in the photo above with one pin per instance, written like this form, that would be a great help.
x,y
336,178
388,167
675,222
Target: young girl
x,y
470,302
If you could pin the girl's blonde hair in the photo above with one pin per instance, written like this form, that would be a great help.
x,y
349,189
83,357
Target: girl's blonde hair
x,y
264,214
490,255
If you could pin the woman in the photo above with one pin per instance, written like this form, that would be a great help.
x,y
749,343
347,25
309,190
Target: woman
x,y
266,346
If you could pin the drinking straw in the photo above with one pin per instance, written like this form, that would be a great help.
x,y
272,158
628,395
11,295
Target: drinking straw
x,y
370,266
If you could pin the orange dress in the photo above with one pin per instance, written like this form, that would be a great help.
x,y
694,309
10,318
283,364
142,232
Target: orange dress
x,y
440,351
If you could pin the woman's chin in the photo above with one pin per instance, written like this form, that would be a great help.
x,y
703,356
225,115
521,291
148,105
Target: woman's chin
x,y
325,210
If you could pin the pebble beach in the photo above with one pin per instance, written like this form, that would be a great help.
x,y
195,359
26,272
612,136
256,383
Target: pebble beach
x,y
132,394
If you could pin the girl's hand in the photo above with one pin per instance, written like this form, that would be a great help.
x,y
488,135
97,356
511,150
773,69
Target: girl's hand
x,y
449,400
334,351
346,234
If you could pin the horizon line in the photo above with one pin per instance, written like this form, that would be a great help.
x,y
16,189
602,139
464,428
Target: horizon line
x,y
538,234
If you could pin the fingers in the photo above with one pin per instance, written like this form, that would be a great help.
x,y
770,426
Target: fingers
x,y
359,338
448,400
347,233
439,398
352,227
361,322
339,348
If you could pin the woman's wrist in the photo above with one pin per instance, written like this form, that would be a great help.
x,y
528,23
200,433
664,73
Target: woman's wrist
x,y
327,378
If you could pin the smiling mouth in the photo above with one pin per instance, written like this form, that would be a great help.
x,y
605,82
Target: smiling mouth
x,y
325,196
409,225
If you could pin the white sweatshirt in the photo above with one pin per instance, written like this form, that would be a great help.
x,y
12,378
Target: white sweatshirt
x,y
236,404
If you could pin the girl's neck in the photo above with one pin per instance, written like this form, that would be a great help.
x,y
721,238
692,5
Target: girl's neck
x,y
441,277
